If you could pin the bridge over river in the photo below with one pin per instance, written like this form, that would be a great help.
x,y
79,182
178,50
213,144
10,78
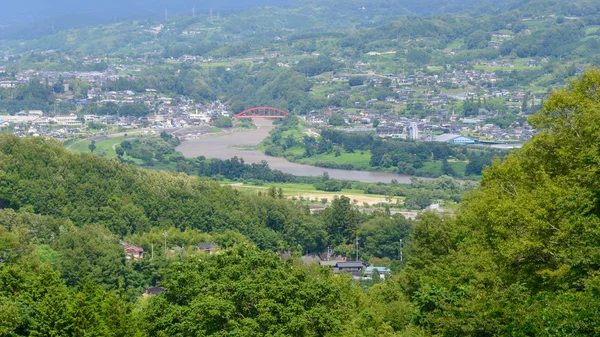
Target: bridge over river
x,y
228,146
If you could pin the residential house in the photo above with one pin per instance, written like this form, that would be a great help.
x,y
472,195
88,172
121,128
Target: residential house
x,y
133,252
207,247
152,291
383,272
354,268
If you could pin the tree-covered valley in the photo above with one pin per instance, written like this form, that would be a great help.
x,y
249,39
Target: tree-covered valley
x,y
519,256
108,229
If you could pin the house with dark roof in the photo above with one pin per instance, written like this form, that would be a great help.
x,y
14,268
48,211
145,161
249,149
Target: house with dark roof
x,y
354,268
207,247
154,291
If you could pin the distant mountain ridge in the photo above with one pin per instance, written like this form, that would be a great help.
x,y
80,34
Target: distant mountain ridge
x,y
33,19
29,19
18,12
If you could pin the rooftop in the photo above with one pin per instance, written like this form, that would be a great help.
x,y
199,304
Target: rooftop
x,y
446,137
370,269
350,264
206,245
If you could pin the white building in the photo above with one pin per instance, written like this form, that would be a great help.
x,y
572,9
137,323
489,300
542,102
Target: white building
x,y
413,131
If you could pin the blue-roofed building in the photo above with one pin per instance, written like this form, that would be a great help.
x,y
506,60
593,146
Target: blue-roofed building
x,y
455,139
383,271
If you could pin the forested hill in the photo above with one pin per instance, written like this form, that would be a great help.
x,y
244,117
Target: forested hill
x,y
33,18
448,32
521,256
40,176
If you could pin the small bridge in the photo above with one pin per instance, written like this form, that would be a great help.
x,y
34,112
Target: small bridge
x,y
262,112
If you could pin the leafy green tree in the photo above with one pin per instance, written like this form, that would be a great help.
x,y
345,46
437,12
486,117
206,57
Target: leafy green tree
x,y
224,122
478,39
336,119
356,81
237,293
549,170
381,236
119,150
92,146
134,109
447,169
91,251
524,105
341,220
59,86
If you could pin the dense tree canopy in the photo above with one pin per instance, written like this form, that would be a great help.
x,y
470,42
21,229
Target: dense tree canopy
x,y
246,292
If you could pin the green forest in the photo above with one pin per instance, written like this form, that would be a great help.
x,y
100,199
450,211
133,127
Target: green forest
x,y
519,257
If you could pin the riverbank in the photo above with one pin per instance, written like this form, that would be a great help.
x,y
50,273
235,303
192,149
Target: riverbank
x,y
236,145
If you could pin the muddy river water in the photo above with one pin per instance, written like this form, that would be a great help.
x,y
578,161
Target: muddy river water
x,y
227,146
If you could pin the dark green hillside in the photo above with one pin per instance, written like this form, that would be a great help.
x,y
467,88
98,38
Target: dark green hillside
x,y
40,176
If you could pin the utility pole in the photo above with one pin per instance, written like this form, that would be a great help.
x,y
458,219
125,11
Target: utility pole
x,y
401,253
356,247
165,235
166,15
152,258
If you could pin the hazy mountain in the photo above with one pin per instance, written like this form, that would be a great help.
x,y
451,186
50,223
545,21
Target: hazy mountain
x,y
31,19
16,12
27,11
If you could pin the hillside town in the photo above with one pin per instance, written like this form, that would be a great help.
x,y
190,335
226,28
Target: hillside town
x,y
438,95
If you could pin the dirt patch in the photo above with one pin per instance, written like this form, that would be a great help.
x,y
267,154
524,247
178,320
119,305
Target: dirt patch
x,y
360,199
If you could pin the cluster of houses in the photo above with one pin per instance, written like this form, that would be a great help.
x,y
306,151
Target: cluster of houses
x,y
135,253
357,269
458,82
92,77
176,116
441,127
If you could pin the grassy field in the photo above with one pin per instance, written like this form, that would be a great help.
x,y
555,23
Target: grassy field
x,y
104,148
309,192
436,166
360,160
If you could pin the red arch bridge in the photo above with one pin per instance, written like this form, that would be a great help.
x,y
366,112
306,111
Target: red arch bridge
x,y
262,112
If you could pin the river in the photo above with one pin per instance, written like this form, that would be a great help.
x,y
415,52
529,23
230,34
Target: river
x,y
226,147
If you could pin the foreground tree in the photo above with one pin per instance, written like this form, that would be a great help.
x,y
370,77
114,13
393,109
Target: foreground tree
x,y
522,255
245,292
